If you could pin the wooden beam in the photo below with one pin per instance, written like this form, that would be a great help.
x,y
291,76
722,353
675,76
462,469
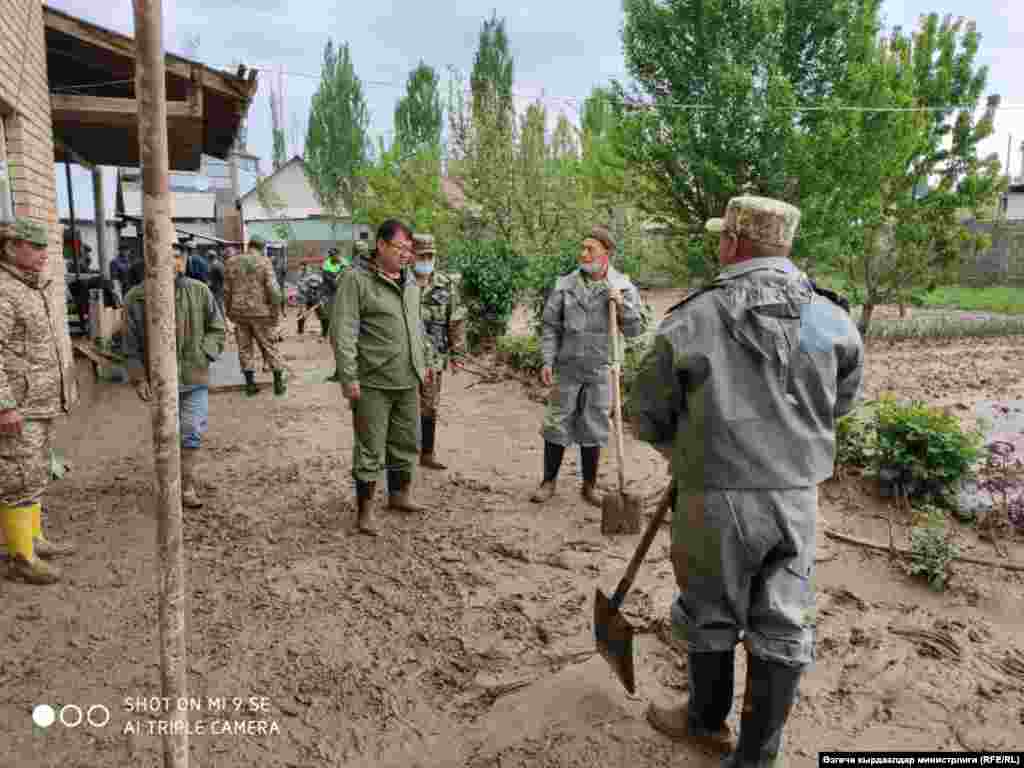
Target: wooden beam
x,y
65,106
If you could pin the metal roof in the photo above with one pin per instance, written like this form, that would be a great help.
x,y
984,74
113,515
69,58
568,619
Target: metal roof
x,y
184,205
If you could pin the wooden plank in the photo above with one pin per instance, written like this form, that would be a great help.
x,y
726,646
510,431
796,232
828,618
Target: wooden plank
x,y
70,107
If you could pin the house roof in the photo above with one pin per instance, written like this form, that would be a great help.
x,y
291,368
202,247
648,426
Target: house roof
x,y
206,107
252,192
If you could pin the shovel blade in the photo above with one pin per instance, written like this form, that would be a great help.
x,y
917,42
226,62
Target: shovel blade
x,y
614,636
620,513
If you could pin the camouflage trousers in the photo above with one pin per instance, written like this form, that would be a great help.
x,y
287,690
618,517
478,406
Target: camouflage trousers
x,y
744,565
578,412
25,463
264,334
430,396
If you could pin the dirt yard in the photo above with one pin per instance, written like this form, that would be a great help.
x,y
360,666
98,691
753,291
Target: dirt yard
x,y
464,637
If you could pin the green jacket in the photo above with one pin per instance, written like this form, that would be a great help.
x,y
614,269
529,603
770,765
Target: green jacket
x,y
746,379
377,331
199,336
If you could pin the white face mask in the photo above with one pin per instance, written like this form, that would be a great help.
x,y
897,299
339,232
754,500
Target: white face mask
x,y
424,267
592,268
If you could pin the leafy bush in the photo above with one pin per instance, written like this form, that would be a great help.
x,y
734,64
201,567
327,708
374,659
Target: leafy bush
x,y
490,281
931,549
924,449
521,352
538,279
857,438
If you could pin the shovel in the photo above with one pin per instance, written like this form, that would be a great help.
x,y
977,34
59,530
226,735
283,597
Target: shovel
x,y
620,512
614,635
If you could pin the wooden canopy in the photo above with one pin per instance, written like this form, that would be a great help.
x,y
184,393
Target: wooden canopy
x,y
95,113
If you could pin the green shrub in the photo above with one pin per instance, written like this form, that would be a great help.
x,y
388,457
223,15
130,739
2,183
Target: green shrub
x,y
538,279
857,438
491,273
521,352
932,549
922,448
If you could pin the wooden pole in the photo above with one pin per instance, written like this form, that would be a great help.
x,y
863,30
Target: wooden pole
x,y
150,89
99,206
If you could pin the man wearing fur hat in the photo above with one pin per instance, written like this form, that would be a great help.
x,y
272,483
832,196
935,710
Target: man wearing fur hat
x,y
741,392
35,388
577,359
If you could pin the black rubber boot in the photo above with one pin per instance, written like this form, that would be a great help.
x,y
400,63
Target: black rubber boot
x,y
280,383
325,328
591,456
250,383
701,720
365,522
302,326
553,454
773,693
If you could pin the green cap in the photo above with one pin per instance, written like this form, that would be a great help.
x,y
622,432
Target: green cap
x,y
30,232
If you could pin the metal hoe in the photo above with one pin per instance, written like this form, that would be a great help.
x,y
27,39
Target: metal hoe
x,y
620,512
614,635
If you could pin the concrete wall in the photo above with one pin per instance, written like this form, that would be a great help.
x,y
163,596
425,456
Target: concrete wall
x,y
292,189
25,109
1014,207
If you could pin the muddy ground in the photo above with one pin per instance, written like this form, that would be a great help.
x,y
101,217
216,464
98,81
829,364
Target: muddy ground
x,y
463,637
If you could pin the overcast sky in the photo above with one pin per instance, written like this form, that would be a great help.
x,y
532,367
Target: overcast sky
x,y
561,49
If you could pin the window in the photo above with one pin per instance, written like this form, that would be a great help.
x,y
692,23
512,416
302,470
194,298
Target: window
x,y
6,193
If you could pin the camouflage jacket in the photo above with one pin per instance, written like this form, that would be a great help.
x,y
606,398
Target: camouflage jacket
x,y
251,291
377,331
444,317
35,377
574,336
746,379
199,336
309,288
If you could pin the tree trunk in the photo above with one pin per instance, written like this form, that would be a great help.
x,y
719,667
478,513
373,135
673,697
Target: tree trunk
x,y
865,319
150,88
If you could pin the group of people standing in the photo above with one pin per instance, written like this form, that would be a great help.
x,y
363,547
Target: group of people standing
x,y
740,392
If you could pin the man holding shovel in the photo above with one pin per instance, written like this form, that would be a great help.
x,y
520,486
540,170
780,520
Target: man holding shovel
x,y
577,357
741,393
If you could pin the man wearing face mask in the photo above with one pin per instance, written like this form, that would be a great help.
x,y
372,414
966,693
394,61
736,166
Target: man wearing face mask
x,y
444,318
199,340
35,388
577,358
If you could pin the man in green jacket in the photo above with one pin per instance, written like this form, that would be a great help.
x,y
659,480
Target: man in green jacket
x,y
382,355
200,341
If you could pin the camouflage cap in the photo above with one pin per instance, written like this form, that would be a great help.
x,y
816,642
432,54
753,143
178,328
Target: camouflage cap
x,y
761,219
30,232
423,243
361,247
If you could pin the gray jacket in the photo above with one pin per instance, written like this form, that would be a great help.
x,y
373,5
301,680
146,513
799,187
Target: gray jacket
x,y
574,338
746,379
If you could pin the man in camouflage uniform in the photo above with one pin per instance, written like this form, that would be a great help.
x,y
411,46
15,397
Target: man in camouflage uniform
x,y
309,295
361,251
741,392
35,388
577,358
199,340
253,301
383,358
444,319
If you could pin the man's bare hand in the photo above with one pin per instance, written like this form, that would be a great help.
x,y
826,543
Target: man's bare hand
x,y
352,391
10,422
456,365
430,376
143,390
546,375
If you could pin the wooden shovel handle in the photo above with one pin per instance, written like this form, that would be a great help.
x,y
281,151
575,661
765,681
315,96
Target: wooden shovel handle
x,y
664,504
613,337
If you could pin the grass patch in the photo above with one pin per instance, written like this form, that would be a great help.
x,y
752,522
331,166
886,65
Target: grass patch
x,y
946,328
1004,299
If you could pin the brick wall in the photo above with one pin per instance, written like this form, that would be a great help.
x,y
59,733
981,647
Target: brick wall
x,y
25,108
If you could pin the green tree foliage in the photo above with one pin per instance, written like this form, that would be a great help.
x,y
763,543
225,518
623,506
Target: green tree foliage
x,y
886,191
337,143
493,73
419,115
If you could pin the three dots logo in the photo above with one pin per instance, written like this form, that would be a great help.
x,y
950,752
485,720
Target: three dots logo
x,y
71,715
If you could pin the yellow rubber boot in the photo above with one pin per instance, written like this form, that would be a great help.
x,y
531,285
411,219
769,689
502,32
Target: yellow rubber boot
x,y
17,523
43,546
